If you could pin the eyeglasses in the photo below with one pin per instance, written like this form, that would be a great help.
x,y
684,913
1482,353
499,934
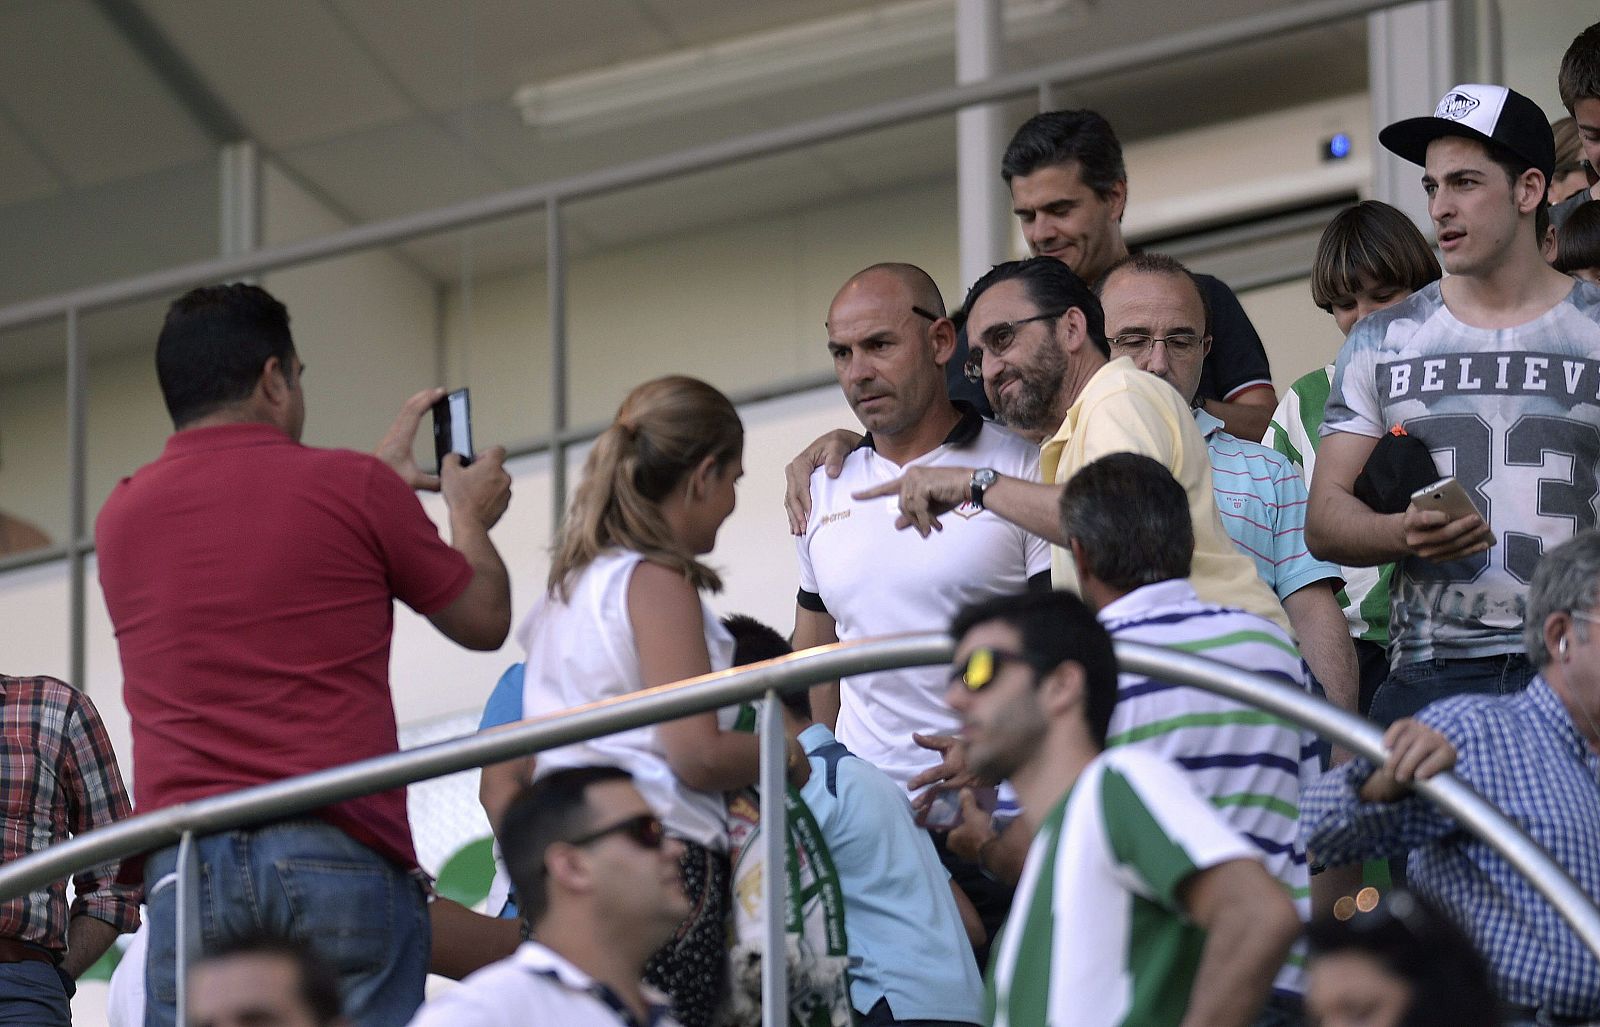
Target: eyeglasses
x,y
1178,343
930,315
997,339
983,666
644,830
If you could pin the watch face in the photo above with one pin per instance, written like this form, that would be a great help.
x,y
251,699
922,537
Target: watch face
x,y
985,477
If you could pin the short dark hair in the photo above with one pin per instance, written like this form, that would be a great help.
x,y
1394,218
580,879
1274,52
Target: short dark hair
x,y
1579,77
1373,240
319,985
552,809
1514,166
1132,518
1569,150
1056,627
1448,979
1578,239
1061,137
1157,264
753,642
213,345
1051,285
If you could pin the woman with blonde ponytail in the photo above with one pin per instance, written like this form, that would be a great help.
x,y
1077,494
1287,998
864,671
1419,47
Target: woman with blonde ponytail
x,y
623,612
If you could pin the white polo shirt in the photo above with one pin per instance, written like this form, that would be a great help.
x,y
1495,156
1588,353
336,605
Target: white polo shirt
x,y
875,580
535,985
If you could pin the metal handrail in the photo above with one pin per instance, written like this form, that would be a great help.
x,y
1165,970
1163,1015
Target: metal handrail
x,y
713,691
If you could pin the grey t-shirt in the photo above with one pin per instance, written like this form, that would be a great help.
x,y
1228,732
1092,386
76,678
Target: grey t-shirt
x,y
1514,415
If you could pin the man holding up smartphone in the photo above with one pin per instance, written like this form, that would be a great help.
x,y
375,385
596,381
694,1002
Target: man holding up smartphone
x,y
1496,369
251,582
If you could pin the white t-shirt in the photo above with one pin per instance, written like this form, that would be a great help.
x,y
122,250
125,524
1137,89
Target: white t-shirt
x,y
1513,414
875,580
581,651
533,985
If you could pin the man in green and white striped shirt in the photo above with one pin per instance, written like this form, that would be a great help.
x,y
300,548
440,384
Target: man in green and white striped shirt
x,y
1137,905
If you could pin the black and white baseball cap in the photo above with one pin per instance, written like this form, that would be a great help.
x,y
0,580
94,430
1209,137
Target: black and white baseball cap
x,y
1491,114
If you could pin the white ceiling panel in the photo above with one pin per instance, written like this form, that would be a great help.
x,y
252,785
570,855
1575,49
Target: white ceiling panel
x,y
696,22
869,86
915,152
84,97
535,155
288,69
22,175
451,54
392,170
758,188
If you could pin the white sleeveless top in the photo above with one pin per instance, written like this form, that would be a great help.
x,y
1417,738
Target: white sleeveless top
x,y
583,650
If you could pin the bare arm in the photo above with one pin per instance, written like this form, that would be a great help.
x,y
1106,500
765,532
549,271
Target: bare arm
x,y
828,452
814,628
88,938
464,940
1245,416
1250,924
1324,636
670,635
971,922
926,493
480,617
1341,528
999,853
499,783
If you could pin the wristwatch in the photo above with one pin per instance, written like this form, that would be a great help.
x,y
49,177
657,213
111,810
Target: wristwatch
x,y
982,480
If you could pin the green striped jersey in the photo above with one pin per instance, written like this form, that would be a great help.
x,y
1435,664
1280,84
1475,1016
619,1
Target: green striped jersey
x,y
1097,937
1249,764
1294,432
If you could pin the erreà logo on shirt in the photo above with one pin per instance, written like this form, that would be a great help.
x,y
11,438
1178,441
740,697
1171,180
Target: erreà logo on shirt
x,y
1456,106
967,510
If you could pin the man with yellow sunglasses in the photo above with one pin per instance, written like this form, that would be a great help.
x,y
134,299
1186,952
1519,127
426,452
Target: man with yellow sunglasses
x,y
1137,904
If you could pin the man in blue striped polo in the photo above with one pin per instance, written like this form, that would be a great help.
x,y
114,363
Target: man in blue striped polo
x,y
1127,524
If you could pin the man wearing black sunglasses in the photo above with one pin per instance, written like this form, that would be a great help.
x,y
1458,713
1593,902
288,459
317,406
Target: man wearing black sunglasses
x,y
1137,904
599,883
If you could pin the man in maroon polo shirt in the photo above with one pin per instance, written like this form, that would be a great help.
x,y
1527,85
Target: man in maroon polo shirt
x,y
251,582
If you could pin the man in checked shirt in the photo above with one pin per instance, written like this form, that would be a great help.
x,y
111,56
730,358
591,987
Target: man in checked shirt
x,y
1534,754
58,778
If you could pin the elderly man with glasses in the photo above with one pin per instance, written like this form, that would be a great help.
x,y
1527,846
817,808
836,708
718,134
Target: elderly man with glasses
x,y
1535,754
600,885
1156,316
1137,904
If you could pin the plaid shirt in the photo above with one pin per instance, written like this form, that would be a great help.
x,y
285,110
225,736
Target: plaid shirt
x,y
1522,753
60,779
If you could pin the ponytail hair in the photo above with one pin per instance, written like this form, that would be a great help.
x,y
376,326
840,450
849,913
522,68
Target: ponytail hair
x,y
663,431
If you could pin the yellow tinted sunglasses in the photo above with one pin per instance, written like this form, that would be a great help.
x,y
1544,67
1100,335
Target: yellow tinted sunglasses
x,y
983,666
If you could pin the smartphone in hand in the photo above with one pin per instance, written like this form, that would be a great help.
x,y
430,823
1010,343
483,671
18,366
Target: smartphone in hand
x,y
1448,497
452,428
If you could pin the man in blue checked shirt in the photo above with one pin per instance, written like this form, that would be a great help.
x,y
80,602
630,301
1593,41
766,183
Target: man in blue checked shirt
x,y
1535,755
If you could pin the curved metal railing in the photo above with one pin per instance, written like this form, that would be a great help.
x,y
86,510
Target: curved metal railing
x,y
173,824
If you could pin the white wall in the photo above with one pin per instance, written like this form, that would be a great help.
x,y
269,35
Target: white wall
x,y
1535,33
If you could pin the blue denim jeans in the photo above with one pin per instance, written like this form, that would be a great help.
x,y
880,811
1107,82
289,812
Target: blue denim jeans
x,y
303,879
1411,687
32,994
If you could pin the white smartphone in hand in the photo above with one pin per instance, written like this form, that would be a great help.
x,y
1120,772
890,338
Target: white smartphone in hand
x,y
1448,497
